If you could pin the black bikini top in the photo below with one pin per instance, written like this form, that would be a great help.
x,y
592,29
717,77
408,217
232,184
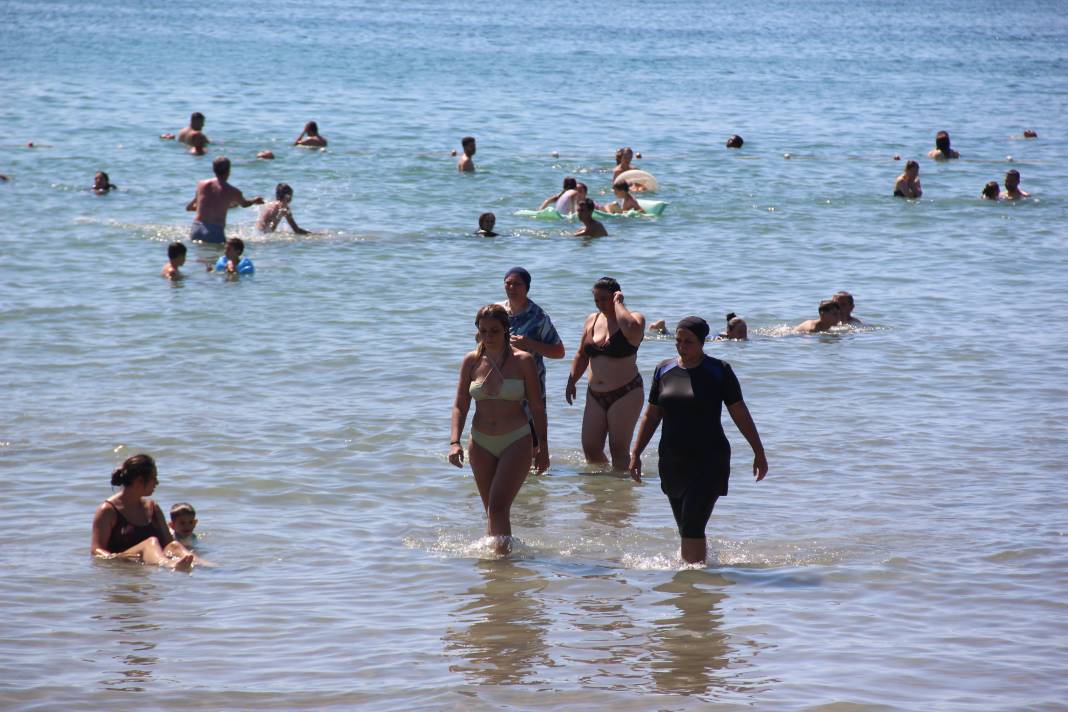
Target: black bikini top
x,y
617,347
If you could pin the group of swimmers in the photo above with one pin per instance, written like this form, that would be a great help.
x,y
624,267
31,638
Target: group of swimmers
x,y
505,379
908,185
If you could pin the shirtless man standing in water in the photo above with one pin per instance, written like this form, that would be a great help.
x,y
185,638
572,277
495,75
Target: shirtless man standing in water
x,y
214,197
193,134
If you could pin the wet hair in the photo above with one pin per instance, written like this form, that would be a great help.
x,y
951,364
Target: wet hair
x,y
175,249
237,243
1014,173
844,295
608,284
196,118
735,141
621,185
991,190
588,204
829,305
486,217
135,467
910,165
182,508
493,311
466,140
569,183
585,188
312,128
282,189
730,315
942,141
221,166
108,185
619,155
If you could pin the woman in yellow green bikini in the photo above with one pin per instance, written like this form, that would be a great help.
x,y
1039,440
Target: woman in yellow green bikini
x,y
499,379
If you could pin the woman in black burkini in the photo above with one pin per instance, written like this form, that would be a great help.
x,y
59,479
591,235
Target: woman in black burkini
x,y
695,457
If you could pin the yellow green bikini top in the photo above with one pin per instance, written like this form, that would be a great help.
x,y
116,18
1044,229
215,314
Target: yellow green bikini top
x,y
512,389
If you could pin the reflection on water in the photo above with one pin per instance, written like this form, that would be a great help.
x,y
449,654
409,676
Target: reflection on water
x,y
613,500
129,610
504,638
691,649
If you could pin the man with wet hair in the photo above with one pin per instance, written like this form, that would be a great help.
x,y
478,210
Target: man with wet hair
x,y
829,313
844,300
1012,187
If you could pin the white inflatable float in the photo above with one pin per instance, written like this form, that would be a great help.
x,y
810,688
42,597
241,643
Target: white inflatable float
x,y
635,177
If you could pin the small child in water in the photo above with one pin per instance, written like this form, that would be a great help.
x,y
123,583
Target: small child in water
x,y
232,262
175,259
272,213
486,223
102,184
183,522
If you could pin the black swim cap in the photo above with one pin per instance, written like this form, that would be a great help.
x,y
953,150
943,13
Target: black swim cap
x,y
696,325
523,275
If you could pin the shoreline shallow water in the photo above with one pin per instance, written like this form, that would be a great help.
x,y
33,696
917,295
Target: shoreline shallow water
x,y
907,548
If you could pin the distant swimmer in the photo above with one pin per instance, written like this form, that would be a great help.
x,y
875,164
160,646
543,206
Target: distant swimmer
x,y
310,137
845,303
1028,133
829,316
272,213
466,163
265,155
623,158
193,135
991,191
735,141
4,178
232,261
486,223
590,227
1012,187
102,184
658,327
213,198
737,329
503,382
907,184
176,252
624,200
687,395
569,185
942,150
129,525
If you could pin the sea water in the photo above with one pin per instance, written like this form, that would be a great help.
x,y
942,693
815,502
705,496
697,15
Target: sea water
x,y
907,549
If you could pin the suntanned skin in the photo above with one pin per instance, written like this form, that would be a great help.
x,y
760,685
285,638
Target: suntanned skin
x,y
215,196
1012,188
467,163
907,184
828,318
194,136
272,214
590,227
170,270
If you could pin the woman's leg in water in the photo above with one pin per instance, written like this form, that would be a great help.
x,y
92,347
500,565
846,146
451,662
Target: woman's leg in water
x,y
499,480
594,432
622,417
150,552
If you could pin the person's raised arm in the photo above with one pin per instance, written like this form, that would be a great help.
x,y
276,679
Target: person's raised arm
x,y
579,364
532,384
245,203
460,407
632,324
300,138
744,420
549,201
650,422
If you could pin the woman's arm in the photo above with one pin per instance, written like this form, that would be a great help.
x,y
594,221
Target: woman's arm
x,y
579,364
650,422
550,201
460,407
632,324
537,408
744,420
103,523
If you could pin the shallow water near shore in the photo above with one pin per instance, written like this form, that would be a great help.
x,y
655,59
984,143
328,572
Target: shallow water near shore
x,y
907,550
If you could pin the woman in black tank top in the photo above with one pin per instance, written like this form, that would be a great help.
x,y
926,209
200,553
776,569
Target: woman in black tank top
x,y
128,525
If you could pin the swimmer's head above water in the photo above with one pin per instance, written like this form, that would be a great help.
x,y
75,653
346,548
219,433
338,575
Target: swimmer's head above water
x,y
991,191
486,222
196,121
283,192
735,141
468,143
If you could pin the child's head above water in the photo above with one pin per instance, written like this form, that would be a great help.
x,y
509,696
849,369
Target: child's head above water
x,y
486,222
282,191
183,520
235,247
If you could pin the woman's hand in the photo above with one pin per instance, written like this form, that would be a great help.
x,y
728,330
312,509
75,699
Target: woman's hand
x,y
635,467
760,466
617,297
456,455
541,460
570,391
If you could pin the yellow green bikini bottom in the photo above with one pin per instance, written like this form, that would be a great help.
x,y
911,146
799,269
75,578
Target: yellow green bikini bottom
x,y
497,444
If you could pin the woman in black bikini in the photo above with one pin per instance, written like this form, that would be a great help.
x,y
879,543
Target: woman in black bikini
x,y
609,346
128,525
